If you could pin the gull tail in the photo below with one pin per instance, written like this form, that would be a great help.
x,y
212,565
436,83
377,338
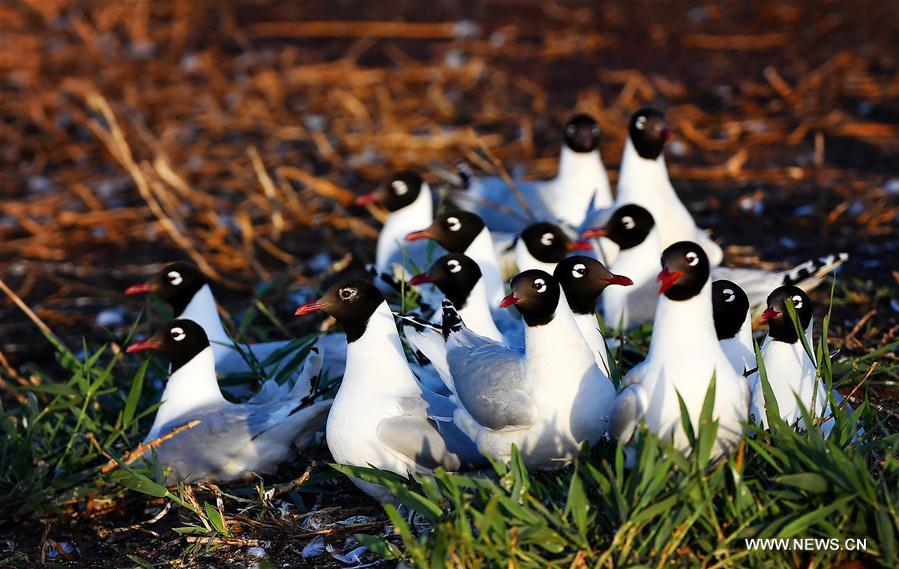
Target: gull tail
x,y
758,284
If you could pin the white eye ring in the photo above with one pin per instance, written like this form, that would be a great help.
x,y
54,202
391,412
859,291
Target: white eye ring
x,y
346,293
539,285
175,278
797,301
454,266
640,123
595,130
628,222
547,239
177,334
399,187
692,258
729,295
570,129
579,270
453,223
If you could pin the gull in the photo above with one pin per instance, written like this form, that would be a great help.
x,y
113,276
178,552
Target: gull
x,y
380,416
684,356
232,440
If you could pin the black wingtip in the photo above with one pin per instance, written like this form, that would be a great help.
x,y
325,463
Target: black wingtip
x,y
452,322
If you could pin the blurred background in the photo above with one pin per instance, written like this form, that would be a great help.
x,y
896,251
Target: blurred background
x,y
236,133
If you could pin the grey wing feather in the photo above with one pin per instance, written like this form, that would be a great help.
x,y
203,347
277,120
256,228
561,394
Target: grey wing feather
x,y
627,412
491,384
418,440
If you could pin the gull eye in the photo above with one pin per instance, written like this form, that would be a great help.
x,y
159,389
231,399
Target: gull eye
x,y
628,222
454,266
177,334
399,187
347,293
539,285
640,123
547,239
579,270
797,301
570,130
595,130
692,258
728,295
453,223
175,278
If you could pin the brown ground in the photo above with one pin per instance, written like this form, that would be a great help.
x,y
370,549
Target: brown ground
x,y
133,133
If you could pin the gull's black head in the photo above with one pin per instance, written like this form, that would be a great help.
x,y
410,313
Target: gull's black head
x,y
583,279
536,296
399,191
351,302
582,133
730,307
176,284
780,326
179,341
547,243
454,230
628,227
454,274
649,132
685,270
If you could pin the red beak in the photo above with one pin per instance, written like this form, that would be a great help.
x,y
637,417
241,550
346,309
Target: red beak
x,y
665,134
420,279
150,344
416,235
595,232
509,301
142,288
580,246
770,313
619,280
668,279
309,308
369,198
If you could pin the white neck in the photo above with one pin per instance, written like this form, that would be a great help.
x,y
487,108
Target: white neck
x,y
375,362
399,223
582,180
190,387
641,179
740,350
556,351
685,326
482,252
641,264
589,329
525,261
476,313
202,310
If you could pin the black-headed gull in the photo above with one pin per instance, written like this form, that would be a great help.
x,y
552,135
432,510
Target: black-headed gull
x,y
542,245
643,180
583,280
459,278
379,417
465,232
733,324
409,203
684,356
791,371
232,440
547,399
581,184
183,286
634,228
